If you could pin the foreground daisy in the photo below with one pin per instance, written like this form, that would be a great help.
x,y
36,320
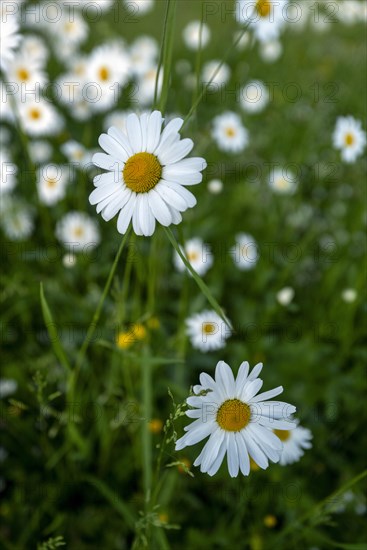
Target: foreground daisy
x,y
238,420
147,174
294,443
349,138
207,331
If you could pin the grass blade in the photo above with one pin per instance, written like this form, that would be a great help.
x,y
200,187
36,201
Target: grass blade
x,y
52,331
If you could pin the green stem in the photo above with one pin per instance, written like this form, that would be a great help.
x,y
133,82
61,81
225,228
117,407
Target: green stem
x,y
202,286
146,374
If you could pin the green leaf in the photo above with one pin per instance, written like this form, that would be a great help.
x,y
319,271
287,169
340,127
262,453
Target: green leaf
x,y
52,331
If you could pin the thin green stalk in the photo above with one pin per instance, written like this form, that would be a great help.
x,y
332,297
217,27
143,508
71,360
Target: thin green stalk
x,y
146,374
220,65
167,52
161,54
97,313
202,286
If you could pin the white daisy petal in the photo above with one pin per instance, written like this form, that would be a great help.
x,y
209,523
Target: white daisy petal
x,y
232,456
126,214
171,197
159,208
188,197
219,459
243,454
154,131
134,132
224,377
112,147
121,138
177,152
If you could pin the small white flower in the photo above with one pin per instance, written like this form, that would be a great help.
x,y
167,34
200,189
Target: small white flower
x,y
265,17
40,151
140,6
238,420
198,254
70,28
10,40
207,331
192,32
254,97
349,295
8,386
40,118
145,91
349,138
69,260
229,133
16,219
78,232
28,71
51,183
285,295
215,186
221,77
294,442
282,181
76,153
35,47
8,173
271,50
143,54
245,253
147,174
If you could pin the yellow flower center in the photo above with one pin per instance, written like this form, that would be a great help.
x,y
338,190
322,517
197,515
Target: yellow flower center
x,y
263,7
35,114
230,132
78,232
233,415
51,182
104,74
208,328
282,434
349,139
23,74
142,172
193,256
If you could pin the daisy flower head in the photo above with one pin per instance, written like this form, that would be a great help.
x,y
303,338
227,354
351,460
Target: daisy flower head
x,y
40,118
27,70
238,420
40,151
294,443
271,50
76,153
349,138
51,183
147,174
245,253
215,186
254,97
10,39
210,69
35,47
198,254
229,133
70,29
207,331
8,173
282,181
285,296
265,17
78,232
16,219
195,33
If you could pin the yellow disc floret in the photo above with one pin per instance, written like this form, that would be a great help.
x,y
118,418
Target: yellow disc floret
x,y
282,434
142,172
263,7
233,415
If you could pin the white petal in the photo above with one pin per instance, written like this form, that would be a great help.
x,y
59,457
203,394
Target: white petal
x,y
268,394
176,216
112,147
194,436
170,133
211,449
117,202
275,424
171,197
232,456
254,450
183,179
251,389
154,131
107,162
184,193
272,409
134,132
159,208
255,371
136,217
188,166
106,177
243,454
121,138
126,214
102,192
241,377
144,120
177,152
218,461
224,378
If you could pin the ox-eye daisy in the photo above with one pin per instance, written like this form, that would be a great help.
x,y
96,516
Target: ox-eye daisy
x,y
78,232
238,420
147,174
207,331
294,443
265,17
349,138
229,133
198,254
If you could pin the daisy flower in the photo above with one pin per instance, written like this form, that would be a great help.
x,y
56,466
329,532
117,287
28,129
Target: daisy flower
x,y
16,219
78,232
254,97
222,76
76,153
285,295
215,186
36,48
40,151
271,50
294,443
143,54
27,70
282,181
70,29
245,253
198,254
265,17
349,138
8,386
40,118
238,420
8,173
51,183
207,331
141,6
147,174
10,40
349,295
229,133
191,35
